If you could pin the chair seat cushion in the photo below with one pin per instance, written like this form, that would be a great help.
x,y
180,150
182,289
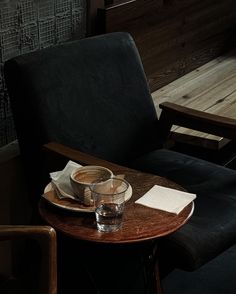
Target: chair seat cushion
x,y
212,227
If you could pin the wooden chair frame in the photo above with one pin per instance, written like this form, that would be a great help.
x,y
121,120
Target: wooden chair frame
x,y
46,238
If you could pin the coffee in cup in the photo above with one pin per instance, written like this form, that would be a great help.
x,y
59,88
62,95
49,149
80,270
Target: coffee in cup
x,y
83,177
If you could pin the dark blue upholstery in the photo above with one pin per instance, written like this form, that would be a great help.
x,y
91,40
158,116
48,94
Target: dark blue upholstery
x,y
92,95
212,228
85,93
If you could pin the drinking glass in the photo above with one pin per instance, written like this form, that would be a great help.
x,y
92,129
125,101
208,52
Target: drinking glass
x,y
109,201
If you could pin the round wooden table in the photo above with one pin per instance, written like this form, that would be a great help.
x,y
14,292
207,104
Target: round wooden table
x,y
140,223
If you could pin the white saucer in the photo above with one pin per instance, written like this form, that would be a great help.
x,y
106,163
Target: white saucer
x,y
70,204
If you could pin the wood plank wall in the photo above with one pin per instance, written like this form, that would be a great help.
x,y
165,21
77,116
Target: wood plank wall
x,y
173,36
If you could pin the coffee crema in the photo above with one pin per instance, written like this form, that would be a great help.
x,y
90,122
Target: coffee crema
x,y
91,176
82,178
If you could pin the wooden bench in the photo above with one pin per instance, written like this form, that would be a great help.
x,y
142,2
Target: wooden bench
x,y
210,88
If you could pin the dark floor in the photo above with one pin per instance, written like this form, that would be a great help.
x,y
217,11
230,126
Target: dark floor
x,y
217,277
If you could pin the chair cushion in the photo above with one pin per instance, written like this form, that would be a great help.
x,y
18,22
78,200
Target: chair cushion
x,y
212,228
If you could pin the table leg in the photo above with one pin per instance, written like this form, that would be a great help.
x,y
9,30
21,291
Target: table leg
x,y
152,271
109,268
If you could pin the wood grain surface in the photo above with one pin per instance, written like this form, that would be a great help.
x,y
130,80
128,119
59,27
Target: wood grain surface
x,y
210,88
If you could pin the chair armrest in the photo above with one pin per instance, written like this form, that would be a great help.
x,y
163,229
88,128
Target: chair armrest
x,y
173,114
46,238
83,158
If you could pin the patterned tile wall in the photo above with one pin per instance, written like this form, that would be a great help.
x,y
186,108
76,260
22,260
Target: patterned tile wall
x,y
29,25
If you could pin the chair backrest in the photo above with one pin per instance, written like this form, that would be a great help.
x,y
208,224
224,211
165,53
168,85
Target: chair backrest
x,y
37,270
89,94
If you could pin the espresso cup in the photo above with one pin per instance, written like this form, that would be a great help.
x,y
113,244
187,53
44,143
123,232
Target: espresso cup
x,y
83,177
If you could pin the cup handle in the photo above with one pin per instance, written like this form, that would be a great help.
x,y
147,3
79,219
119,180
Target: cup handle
x,y
88,196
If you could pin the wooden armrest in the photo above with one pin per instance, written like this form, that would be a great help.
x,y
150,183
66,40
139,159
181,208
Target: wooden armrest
x,y
81,157
46,238
173,114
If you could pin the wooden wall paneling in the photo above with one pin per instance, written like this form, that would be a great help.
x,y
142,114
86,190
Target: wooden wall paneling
x,y
118,15
93,24
208,21
173,36
189,58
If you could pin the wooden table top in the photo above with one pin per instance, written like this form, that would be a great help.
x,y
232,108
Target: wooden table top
x,y
140,223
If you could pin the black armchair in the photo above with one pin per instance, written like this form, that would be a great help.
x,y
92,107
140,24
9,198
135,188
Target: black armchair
x,y
92,95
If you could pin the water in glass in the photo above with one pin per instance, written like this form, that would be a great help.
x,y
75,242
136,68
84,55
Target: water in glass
x,y
109,216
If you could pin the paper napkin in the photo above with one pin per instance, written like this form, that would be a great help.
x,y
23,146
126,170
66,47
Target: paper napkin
x,y
62,178
166,199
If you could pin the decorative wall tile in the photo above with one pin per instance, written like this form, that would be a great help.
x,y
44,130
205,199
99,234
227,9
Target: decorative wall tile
x,y
9,44
47,35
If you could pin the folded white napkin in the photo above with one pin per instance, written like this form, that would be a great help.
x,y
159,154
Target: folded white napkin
x,y
166,199
62,178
